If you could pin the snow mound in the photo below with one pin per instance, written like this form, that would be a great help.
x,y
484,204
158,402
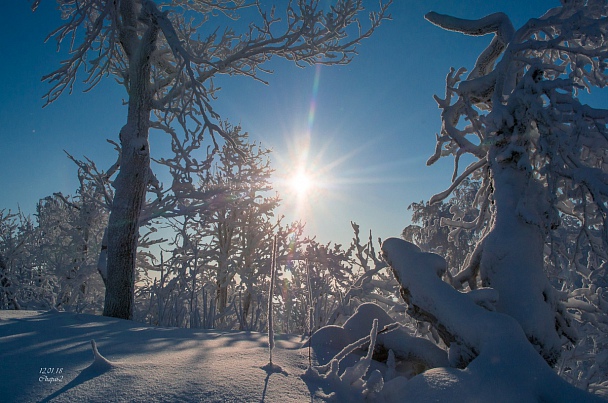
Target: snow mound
x,y
100,363
413,355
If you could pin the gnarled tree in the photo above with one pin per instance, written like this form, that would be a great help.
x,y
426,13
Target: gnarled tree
x,y
538,150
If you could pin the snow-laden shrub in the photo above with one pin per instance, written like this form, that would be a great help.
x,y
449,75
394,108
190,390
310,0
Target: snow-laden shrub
x,y
350,384
51,261
489,357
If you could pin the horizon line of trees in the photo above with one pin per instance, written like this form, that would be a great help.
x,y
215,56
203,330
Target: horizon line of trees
x,y
204,268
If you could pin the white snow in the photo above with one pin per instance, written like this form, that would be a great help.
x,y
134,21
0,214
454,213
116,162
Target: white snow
x,y
505,367
416,352
142,364
49,356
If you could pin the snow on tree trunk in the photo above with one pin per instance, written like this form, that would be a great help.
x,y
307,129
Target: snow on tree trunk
x,y
499,360
131,185
512,261
123,233
537,150
102,261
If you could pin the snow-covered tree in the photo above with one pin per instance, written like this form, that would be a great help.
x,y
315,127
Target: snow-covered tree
x,y
321,287
370,281
215,266
539,152
71,231
51,261
430,230
166,61
18,279
239,226
489,354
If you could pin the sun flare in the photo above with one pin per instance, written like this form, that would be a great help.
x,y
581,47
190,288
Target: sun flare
x,y
301,182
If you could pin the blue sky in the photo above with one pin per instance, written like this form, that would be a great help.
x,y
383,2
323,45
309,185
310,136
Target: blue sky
x,y
372,130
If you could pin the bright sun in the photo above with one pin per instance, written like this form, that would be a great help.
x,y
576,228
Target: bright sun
x,y
301,182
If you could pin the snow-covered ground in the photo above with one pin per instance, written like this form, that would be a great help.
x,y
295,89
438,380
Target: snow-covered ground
x,y
147,364
50,356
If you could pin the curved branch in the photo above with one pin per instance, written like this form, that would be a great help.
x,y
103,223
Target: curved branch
x,y
497,23
470,169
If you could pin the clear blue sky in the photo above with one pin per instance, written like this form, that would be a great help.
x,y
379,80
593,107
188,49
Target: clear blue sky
x,y
373,129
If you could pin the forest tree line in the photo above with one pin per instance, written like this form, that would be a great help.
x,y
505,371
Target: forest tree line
x,y
207,267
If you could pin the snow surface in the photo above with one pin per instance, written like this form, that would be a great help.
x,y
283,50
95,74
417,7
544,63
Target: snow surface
x,y
142,364
113,360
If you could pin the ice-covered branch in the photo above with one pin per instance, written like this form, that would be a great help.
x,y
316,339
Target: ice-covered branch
x,y
91,17
467,172
523,109
498,24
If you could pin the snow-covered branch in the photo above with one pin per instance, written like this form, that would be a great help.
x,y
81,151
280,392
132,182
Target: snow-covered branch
x,y
489,344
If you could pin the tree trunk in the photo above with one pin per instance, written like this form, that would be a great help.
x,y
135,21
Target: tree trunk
x,y
123,231
246,307
131,184
225,233
222,290
512,259
5,284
